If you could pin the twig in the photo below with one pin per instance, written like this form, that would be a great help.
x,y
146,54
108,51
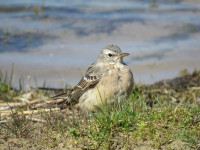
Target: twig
x,y
16,105
38,120
10,104
41,104
3,121
195,88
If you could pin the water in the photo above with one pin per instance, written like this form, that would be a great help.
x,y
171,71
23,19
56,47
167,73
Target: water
x,y
65,37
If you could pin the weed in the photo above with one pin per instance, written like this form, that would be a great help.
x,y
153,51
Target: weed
x,y
19,125
6,90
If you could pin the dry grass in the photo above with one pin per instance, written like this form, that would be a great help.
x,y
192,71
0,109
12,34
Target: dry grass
x,y
161,116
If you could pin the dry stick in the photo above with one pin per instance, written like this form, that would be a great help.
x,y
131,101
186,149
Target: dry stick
x,y
38,120
16,105
6,111
195,88
31,103
3,121
10,104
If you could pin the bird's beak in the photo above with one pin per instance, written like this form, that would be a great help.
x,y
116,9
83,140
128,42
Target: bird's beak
x,y
122,55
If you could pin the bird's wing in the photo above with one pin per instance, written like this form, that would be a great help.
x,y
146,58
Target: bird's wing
x,y
90,80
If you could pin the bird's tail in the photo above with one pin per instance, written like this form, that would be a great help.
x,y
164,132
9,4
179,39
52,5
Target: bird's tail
x,y
63,96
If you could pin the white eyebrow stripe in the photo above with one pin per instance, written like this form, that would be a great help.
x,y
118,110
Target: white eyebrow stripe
x,y
107,51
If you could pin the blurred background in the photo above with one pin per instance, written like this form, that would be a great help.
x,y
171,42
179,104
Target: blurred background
x,y
54,41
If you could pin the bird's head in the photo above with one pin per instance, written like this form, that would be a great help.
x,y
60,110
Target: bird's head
x,y
112,54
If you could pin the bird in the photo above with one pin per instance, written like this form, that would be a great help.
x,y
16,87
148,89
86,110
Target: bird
x,y
106,80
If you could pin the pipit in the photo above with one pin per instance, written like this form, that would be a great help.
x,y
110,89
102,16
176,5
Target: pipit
x,y
106,80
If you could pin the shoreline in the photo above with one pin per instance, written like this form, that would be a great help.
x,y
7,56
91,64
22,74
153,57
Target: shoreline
x,y
147,72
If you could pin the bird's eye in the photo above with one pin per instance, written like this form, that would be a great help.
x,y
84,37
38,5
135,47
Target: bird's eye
x,y
110,55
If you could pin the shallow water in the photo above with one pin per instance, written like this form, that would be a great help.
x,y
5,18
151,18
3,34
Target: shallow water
x,y
70,34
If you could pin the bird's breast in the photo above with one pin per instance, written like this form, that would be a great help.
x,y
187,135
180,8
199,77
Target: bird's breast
x,y
119,78
116,81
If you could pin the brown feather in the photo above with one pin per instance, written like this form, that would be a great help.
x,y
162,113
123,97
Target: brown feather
x,y
87,82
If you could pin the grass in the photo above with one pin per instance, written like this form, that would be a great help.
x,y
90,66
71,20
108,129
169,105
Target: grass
x,y
6,90
19,125
165,115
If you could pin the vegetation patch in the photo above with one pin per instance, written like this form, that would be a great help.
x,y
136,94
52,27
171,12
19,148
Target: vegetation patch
x,y
165,115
